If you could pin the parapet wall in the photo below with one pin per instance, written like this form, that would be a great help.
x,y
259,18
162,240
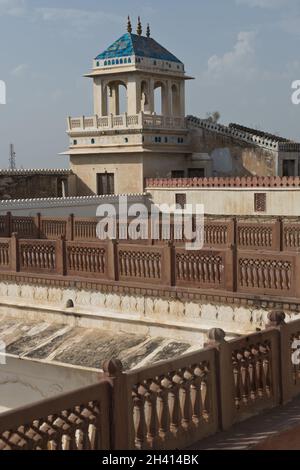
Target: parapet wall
x,y
82,206
18,184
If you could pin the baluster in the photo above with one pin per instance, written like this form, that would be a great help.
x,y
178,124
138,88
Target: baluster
x,y
266,369
184,399
137,420
174,404
258,372
162,412
236,378
150,414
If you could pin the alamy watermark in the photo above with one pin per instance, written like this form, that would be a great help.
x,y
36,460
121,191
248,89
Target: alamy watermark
x,y
296,352
160,222
296,94
2,92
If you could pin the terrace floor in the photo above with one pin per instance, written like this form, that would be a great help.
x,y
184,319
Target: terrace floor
x,y
84,347
276,429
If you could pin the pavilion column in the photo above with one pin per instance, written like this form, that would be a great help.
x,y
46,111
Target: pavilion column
x,y
165,99
104,110
151,96
97,96
182,98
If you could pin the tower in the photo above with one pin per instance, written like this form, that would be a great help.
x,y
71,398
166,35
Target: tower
x,y
12,157
114,150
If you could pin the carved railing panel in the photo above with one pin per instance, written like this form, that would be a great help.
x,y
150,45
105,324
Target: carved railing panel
x,y
3,227
75,421
53,229
85,229
200,268
25,227
173,403
291,236
261,273
5,253
218,233
255,373
258,234
86,259
37,256
140,263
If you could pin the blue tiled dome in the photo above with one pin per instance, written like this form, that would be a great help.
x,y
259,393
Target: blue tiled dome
x,y
140,46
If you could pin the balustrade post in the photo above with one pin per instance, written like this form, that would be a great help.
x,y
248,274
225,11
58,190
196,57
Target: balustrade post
x,y
278,235
276,319
121,432
95,121
230,267
168,265
232,232
14,253
140,119
70,228
60,256
37,223
112,260
224,377
8,224
296,274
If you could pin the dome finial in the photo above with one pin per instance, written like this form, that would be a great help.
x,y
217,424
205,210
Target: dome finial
x,y
139,27
129,27
148,31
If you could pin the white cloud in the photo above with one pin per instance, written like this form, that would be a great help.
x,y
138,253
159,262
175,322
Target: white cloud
x,y
12,7
74,17
238,61
264,3
19,70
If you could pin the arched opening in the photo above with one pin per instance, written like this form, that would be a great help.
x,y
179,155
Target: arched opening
x,y
175,111
159,98
145,98
122,98
116,98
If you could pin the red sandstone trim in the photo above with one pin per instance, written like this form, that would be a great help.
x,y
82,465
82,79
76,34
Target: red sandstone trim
x,y
220,182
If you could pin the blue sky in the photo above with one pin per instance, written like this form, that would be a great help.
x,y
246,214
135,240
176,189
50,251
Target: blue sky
x,y
244,55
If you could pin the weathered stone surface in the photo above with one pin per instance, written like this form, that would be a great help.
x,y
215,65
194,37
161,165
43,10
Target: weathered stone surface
x,y
192,310
83,347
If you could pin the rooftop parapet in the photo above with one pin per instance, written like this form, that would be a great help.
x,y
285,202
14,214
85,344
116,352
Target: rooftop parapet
x,y
125,121
245,134
222,182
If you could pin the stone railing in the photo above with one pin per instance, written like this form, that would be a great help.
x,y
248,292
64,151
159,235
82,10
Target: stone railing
x,y
250,233
78,420
124,121
225,269
225,182
38,256
171,404
267,273
87,260
5,254
236,132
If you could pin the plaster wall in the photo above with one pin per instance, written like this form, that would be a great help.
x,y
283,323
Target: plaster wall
x,y
233,201
23,382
